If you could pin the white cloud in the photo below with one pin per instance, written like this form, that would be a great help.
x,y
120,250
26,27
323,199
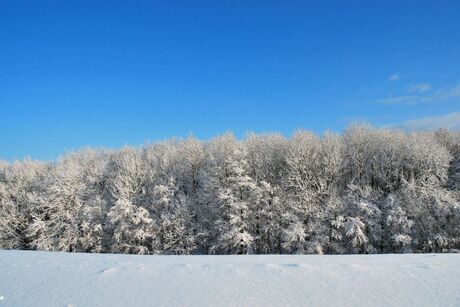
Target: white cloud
x,y
424,94
420,88
450,121
449,92
394,77
404,99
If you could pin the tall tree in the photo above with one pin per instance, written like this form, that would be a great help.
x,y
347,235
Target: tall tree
x,y
174,230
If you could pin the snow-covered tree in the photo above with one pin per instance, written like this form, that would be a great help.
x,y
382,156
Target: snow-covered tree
x,y
359,225
192,156
398,227
70,212
232,194
268,219
125,175
354,231
451,141
434,211
358,144
20,188
126,189
365,191
133,229
173,232
266,157
236,197
314,168
427,163
294,236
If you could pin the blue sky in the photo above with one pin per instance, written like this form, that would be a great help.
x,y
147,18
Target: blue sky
x,y
109,73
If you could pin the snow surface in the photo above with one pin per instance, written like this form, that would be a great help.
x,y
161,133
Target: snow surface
x,y
30,278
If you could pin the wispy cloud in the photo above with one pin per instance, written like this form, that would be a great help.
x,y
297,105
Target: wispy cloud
x,y
450,121
404,99
423,93
420,88
394,77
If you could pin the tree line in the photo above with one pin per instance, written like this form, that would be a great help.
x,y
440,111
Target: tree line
x,y
366,190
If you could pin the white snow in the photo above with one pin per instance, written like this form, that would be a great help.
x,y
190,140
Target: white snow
x,y
30,278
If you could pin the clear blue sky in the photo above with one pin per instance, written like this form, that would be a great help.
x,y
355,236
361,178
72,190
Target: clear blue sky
x,y
109,73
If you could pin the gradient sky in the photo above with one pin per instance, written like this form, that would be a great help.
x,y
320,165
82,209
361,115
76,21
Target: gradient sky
x,y
109,73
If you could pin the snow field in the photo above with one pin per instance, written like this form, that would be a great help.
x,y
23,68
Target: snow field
x,y
30,278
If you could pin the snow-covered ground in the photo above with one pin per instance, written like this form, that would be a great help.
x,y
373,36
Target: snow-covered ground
x,y
29,278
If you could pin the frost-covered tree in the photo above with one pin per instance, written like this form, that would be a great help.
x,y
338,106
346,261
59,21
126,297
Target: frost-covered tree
x,y
266,157
20,188
133,229
365,191
358,144
294,236
191,160
232,194
433,211
268,219
359,226
353,229
451,141
173,229
126,186
213,173
125,175
70,211
314,168
398,227
303,190
236,198
427,163
334,211
11,223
